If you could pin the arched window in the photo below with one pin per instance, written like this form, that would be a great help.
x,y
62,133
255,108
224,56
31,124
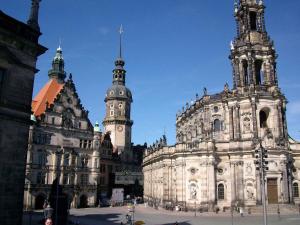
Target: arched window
x,y
258,72
217,125
296,190
263,117
253,20
245,72
221,192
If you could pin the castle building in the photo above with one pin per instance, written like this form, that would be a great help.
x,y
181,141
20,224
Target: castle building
x,y
212,163
63,144
19,51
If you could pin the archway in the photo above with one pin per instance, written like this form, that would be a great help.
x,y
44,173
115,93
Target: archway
x,y
83,202
39,201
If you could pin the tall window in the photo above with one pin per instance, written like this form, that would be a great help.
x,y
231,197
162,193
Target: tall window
x,y
66,159
245,70
253,20
258,72
84,179
40,178
296,190
263,117
221,192
65,178
41,159
217,125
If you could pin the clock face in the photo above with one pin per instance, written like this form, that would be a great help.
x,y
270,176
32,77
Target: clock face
x,y
120,128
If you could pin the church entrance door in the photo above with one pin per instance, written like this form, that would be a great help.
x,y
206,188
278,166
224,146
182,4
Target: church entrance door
x,y
272,191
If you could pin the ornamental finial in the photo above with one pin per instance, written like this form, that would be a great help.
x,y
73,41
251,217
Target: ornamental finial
x,y
34,15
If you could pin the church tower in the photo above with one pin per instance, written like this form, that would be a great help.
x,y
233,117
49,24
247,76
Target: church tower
x,y
118,104
252,52
253,58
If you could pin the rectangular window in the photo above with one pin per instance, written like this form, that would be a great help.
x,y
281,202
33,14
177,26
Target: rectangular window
x,y
111,112
84,179
81,143
85,144
90,144
65,179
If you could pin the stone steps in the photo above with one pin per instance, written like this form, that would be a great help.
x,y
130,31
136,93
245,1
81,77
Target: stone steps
x,y
273,209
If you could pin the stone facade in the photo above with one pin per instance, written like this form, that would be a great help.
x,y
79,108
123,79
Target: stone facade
x,y
63,144
19,49
213,161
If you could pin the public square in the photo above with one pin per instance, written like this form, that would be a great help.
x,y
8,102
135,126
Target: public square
x,y
116,215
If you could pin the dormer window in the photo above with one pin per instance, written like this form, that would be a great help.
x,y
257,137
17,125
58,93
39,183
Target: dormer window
x,y
111,92
121,92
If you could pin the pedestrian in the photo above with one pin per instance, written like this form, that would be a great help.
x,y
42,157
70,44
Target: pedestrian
x,y
176,223
48,221
241,211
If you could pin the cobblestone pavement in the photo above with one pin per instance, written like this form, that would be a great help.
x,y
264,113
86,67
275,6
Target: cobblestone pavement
x,y
116,215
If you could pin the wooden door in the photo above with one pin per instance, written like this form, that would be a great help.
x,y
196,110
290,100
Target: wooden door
x,y
272,191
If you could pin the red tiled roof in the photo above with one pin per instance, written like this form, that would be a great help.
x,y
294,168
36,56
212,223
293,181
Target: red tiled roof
x,y
47,94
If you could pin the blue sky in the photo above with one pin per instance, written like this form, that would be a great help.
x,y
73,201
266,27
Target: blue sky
x,y
172,49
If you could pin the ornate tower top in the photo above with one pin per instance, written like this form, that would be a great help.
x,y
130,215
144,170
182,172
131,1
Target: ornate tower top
x,y
119,72
34,15
58,64
252,52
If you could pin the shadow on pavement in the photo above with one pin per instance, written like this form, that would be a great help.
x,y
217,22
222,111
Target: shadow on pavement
x,y
99,219
179,223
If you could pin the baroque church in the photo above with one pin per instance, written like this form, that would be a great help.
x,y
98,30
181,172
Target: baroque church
x,y
64,145
212,163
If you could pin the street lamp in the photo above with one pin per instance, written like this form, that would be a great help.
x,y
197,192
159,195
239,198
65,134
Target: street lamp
x,y
262,166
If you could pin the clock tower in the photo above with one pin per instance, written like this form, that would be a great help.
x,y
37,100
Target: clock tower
x,y
118,101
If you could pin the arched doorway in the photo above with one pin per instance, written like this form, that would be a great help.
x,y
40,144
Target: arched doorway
x,y
83,202
39,201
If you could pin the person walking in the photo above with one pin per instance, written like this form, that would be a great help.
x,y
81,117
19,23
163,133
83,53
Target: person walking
x,y
48,221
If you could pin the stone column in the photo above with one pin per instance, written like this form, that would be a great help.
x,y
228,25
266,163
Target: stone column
x,y
279,120
250,70
233,182
211,181
237,122
231,126
254,119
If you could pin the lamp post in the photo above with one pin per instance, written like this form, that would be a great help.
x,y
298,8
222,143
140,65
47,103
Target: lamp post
x,y
262,165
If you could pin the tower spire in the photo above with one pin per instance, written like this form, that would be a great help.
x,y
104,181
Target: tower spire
x,y
120,32
119,72
34,15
